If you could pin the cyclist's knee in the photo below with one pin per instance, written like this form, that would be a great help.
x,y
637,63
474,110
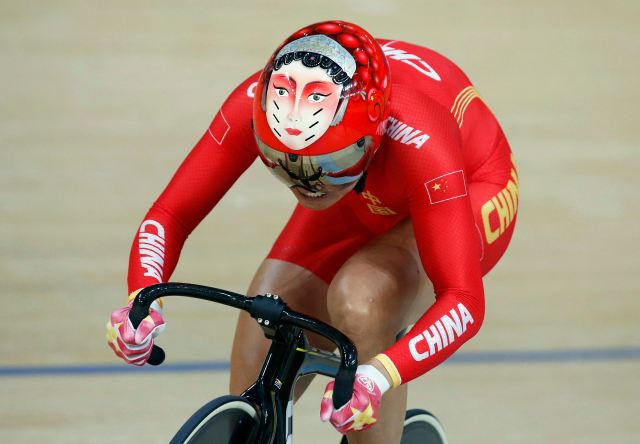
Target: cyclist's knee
x,y
357,317
369,297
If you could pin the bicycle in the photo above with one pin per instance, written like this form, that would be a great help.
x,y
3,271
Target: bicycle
x,y
263,413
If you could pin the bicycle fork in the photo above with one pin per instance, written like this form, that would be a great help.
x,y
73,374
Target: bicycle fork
x,y
272,393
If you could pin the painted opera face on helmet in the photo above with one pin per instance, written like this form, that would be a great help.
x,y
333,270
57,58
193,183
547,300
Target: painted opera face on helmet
x,y
305,89
301,103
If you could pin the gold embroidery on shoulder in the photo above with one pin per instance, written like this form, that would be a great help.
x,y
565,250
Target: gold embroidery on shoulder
x,y
461,103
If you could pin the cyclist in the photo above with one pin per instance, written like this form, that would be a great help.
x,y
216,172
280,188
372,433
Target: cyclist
x,y
403,177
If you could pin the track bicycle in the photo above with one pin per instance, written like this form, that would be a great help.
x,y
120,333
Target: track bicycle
x,y
263,413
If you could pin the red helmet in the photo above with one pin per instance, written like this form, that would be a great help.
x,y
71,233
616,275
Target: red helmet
x,y
321,105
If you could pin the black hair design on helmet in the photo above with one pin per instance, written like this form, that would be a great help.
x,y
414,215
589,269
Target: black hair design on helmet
x,y
311,60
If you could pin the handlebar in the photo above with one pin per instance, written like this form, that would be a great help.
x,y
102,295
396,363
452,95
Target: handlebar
x,y
348,355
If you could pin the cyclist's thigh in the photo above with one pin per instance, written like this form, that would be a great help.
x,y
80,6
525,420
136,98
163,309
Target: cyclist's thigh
x,y
373,294
306,255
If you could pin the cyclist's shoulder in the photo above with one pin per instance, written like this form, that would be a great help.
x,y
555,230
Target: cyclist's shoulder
x,y
420,121
420,64
421,77
419,139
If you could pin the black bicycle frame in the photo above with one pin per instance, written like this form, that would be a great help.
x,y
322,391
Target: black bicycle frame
x,y
273,390
288,358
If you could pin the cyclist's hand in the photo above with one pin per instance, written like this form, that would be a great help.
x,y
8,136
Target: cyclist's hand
x,y
134,344
361,411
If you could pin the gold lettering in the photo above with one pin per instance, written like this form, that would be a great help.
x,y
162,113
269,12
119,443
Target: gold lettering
x,y
375,206
486,211
512,188
381,211
507,198
371,198
503,211
505,204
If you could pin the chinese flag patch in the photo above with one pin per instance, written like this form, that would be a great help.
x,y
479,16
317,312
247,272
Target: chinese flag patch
x,y
446,187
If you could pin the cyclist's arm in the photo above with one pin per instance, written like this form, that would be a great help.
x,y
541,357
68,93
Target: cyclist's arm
x,y
449,248
223,153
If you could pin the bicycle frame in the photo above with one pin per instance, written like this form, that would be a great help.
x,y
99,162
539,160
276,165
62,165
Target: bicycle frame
x,y
272,393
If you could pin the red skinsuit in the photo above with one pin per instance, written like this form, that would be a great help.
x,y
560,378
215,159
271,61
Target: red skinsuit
x,y
445,163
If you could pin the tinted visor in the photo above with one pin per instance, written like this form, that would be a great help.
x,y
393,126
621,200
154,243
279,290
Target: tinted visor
x,y
313,173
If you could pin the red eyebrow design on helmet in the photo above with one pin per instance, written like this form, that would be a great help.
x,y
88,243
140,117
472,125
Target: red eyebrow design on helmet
x,y
321,87
320,82
284,78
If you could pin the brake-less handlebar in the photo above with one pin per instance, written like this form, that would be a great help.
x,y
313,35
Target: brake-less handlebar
x,y
260,308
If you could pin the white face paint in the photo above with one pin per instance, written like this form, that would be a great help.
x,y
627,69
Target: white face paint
x,y
301,103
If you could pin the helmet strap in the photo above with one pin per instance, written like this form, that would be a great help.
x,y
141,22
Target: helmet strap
x,y
359,188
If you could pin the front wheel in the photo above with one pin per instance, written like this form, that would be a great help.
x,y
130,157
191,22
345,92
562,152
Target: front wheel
x,y
225,420
422,427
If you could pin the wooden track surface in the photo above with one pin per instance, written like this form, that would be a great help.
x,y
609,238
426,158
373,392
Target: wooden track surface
x,y
102,100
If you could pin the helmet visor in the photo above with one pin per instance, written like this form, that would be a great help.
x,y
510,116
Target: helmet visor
x,y
313,173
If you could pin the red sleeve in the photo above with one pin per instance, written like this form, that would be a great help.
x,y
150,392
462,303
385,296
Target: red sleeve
x,y
448,244
223,153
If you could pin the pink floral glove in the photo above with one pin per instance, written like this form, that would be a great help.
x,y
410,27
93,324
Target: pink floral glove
x,y
361,412
134,344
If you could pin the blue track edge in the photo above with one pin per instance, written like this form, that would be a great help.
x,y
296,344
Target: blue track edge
x,y
462,358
